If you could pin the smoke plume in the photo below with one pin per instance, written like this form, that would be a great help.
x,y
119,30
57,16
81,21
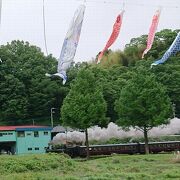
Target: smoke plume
x,y
114,131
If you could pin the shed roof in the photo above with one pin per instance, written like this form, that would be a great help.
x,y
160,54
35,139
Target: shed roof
x,y
13,128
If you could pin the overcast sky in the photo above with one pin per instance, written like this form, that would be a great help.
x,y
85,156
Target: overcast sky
x,y
23,20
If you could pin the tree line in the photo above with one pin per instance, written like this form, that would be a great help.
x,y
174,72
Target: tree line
x,y
121,89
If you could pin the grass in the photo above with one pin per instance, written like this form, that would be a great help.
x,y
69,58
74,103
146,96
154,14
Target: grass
x,y
57,167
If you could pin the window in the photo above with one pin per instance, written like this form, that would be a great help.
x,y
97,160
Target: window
x,y
28,134
20,134
2,134
29,149
36,148
45,133
36,134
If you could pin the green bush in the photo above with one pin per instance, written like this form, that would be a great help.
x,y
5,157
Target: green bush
x,y
35,163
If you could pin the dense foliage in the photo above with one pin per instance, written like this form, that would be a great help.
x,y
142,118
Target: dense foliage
x,y
26,94
167,74
34,163
84,106
143,103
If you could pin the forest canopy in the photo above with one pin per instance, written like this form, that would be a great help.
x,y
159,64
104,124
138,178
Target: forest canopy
x,y
27,94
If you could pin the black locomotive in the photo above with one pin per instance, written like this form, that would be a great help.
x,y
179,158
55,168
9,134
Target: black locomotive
x,y
108,149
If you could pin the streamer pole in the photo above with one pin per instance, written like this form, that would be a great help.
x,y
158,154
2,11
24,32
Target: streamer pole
x,y
44,28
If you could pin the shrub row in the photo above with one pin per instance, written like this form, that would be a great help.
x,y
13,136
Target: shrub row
x,y
35,163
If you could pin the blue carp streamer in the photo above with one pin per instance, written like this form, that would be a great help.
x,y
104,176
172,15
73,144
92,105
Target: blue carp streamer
x,y
70,44
174,48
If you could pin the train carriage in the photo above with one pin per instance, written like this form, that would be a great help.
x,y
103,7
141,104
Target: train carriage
x,y
156,147
107,149
130,148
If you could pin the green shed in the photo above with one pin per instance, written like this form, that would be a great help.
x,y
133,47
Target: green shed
x,y
24,139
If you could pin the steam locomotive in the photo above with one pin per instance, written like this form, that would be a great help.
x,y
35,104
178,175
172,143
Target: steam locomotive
x,y
108,149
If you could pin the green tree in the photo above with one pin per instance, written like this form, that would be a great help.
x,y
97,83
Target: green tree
x,y
26,93
113,83
84,106
112,79
163,39
143,104
169,75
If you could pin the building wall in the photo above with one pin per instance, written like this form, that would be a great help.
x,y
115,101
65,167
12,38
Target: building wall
x,y
6,136
32,142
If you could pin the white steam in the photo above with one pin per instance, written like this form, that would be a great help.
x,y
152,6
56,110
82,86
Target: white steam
x,y
172,128
113,131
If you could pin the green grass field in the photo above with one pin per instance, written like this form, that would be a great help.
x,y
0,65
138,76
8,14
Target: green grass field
x,y
55,167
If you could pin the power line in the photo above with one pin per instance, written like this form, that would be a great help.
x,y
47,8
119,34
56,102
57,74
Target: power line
x,y
0,10
44,28
125,3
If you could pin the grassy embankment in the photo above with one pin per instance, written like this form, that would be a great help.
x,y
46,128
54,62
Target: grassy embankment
x,y
55,166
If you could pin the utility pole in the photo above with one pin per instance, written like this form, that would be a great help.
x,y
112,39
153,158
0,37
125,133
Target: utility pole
x,y
174,110
52,123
